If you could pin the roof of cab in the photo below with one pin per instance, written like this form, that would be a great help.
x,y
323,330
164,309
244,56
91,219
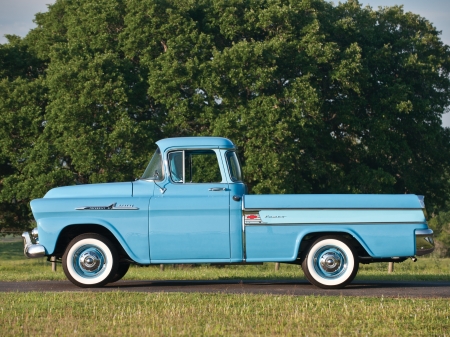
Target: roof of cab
x,y
192,142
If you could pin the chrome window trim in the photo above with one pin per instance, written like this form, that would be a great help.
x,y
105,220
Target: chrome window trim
x,y
183,182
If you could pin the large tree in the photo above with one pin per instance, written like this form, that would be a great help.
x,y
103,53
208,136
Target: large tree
x,y
320,98
22,108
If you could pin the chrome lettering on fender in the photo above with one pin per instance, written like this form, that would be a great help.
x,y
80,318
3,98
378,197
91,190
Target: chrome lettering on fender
x,y
112,207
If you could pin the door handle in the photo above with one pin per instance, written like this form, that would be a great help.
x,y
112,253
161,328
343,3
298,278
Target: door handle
x,y
217,189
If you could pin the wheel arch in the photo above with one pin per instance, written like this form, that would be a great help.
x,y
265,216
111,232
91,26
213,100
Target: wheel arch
x,y
73,230
308,239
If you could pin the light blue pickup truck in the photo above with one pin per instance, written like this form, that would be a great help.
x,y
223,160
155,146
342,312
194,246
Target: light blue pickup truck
x,y
191,206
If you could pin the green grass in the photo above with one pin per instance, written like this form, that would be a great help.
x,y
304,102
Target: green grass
x,y
190,314
14,266
163,314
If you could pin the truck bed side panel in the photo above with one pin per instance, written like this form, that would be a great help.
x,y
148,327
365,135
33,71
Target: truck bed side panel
x,y
280,243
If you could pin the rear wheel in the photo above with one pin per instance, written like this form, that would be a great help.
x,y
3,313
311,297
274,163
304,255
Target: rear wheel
x,y
331,262
90,260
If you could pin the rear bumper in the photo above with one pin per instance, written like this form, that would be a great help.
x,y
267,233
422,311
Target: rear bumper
x,y
424,242
30,249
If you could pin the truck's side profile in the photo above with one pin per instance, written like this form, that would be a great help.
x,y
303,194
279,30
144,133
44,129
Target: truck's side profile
x,y
191,206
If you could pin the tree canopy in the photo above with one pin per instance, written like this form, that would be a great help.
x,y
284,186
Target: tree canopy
x,y
320,98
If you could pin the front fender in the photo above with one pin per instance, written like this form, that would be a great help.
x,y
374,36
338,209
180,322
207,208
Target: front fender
x,y
134,242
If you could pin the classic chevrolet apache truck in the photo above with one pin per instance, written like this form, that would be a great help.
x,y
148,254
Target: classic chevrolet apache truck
x,y
191,206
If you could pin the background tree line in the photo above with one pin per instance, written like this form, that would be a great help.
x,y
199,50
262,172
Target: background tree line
x,y
319,98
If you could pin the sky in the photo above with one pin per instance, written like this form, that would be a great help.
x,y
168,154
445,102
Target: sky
x,y
16,17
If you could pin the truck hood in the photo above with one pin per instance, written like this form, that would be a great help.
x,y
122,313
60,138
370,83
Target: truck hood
x,y
92,191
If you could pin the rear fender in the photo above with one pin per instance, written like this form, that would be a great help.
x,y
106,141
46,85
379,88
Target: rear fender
x,y
310,237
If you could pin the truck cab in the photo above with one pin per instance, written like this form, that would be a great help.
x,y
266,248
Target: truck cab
x,y
195,213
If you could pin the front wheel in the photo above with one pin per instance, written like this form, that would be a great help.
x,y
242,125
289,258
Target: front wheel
x,y
330,263
121,271
90,260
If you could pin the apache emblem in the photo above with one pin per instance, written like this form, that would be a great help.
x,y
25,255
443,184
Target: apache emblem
x,y
112,207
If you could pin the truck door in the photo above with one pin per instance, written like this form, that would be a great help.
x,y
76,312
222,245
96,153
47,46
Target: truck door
x,y
190,220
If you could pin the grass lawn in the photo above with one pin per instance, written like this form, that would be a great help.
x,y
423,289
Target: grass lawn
x,y
14,266
173,314
163,314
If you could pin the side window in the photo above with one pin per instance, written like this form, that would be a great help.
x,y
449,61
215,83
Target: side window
x,y
176,166
200,166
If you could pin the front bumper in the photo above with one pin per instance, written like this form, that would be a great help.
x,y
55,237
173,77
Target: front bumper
x,y
424,242
30,249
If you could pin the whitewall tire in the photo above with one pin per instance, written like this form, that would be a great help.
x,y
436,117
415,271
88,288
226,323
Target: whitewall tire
x,y
90,260
331,262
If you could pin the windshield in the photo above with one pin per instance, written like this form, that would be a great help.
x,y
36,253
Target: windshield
x,y
233,166
154,169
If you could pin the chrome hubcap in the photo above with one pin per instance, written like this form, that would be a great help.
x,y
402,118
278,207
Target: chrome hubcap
x,y
89,261
330,262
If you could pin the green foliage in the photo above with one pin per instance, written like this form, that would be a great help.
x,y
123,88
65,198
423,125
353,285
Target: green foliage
x,y
202,167
441,227
320,98
23,98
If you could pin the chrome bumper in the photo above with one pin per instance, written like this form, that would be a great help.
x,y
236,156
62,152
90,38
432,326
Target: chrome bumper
x,y
30,249
424,241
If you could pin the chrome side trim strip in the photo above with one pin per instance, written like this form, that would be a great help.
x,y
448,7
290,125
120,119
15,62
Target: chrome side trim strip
x,y
336,223
330,209
112,207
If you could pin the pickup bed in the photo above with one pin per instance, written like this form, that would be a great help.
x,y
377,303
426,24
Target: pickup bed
x,y
191,206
